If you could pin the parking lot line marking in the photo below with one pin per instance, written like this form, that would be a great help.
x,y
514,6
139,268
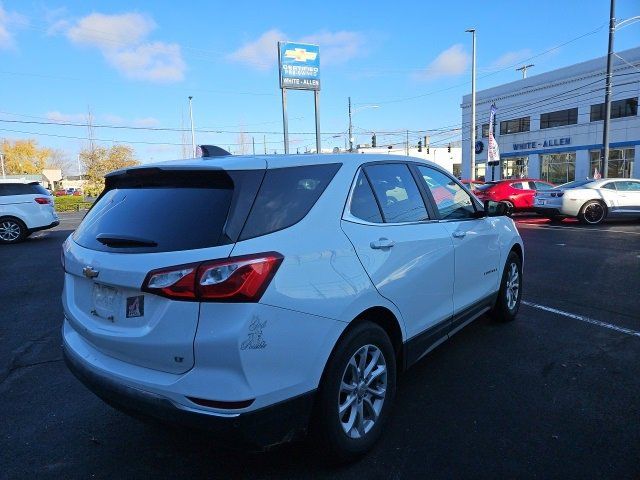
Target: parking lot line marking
x,y
582,318
551,227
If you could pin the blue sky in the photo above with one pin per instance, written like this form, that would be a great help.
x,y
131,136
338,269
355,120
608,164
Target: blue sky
x,y
135,63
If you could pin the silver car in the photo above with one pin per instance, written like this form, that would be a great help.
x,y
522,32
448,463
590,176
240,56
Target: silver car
x,y
591,201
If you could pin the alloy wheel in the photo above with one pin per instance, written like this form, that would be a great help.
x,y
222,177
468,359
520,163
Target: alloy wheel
x,y
594,212
362,391
9,231
513,286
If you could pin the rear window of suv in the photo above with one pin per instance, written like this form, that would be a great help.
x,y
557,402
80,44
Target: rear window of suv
x,y
7,189
168,211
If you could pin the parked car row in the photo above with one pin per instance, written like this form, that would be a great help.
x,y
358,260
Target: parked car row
x,y
61,192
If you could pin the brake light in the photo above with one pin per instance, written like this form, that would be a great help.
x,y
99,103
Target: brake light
x,y
43,200
235,279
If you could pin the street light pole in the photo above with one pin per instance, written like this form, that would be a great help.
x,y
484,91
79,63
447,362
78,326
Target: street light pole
x,y
607,93
193,135
350,129
472,174
2,163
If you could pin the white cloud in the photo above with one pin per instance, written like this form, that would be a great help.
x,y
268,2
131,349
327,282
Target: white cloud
x,y
450,62
123,41
56,116
511,58
9,21
260,53
335,48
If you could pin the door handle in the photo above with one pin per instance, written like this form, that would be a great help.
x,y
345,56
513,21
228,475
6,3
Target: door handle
x,y
459,234
382,244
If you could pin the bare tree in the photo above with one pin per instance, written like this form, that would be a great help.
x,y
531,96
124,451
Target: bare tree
x,y
58,159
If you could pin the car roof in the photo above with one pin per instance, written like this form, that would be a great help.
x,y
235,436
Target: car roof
x,y
258,162
21,181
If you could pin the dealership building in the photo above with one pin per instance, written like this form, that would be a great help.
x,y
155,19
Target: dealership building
x,y
549,126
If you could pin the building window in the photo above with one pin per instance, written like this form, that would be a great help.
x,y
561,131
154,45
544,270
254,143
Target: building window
x,y
485,130
620,108
559,118
457,170
515,167
620,162
558,168
516,125
481,170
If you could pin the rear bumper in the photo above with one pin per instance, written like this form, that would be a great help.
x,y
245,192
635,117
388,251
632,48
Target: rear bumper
x,y
548,211
258,429
45,227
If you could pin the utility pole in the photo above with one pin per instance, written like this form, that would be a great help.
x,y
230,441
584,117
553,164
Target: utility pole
x,y
2,163
607,93
193,135
350,129
253,141
264,141
407,143
79,171
472,137
523,69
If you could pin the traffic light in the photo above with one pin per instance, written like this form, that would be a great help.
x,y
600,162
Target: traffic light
x,y
373,141
449,148
427,149
419,145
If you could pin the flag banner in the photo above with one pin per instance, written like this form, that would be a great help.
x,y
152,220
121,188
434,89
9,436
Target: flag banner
x,y
493,152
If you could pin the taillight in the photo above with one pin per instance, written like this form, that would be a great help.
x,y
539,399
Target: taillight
x,y
43,200
235,279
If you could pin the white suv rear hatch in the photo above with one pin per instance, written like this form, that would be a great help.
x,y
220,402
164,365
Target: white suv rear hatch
x,y
149,219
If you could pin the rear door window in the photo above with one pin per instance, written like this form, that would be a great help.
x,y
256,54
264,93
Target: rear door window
x,y
7,189
397,193
168,211
363,203
286,196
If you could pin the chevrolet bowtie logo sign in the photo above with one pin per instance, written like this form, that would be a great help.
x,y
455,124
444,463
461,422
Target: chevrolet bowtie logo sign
x,y
300,55
299,65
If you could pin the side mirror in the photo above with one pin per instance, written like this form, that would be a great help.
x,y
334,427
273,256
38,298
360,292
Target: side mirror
x,y
495,209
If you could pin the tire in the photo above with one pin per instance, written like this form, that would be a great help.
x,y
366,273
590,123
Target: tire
x,y
508,301
12,230
592,213
339,436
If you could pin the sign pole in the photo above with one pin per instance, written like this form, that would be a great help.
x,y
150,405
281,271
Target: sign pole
x,y
285,123
316,97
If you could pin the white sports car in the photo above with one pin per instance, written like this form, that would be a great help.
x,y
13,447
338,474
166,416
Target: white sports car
x,y
592,201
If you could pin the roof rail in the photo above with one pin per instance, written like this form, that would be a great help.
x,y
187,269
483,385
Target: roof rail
x,y
212,151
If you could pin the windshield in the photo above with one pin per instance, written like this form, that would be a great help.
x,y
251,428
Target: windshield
x,y
574,184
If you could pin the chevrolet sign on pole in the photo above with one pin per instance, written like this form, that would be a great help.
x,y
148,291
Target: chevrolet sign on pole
x,y
299,69
299,66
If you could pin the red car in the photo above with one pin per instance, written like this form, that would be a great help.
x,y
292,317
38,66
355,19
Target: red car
x,y
518,193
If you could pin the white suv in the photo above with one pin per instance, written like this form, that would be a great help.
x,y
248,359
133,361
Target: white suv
x,y
25,207
266,296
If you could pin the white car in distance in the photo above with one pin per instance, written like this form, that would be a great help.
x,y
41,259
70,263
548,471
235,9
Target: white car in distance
x,y
267,296
591,201
25,207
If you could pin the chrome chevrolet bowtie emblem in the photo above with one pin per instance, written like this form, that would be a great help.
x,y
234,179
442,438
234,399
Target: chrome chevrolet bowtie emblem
x,y
89,272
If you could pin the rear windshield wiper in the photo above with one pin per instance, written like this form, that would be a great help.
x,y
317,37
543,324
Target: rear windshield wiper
x,y
123,241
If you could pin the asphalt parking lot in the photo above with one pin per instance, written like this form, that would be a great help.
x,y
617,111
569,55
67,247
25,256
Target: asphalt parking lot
x,y
555,394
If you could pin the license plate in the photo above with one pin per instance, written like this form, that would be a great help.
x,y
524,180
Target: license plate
x,y
540,202
104,297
